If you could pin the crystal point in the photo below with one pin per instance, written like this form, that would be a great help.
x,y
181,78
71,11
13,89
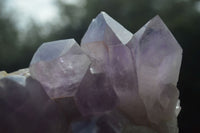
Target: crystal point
x,y
105,29
57,66
158,58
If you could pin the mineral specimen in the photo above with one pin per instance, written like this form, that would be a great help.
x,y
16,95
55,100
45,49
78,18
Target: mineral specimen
x,y
116,82
59,66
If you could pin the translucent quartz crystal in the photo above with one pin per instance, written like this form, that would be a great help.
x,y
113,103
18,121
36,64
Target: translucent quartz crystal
x,y
26,108
157,59
116,82
143,70
105,29
59,66
104,42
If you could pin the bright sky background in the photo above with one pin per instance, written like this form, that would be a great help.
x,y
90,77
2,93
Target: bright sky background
x,y
40,10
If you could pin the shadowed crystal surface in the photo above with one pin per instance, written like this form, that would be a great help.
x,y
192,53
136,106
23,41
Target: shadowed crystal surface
x,y
95,94
111,122
59,66
26,108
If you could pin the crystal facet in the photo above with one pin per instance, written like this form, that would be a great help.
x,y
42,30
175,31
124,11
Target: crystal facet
x,y
59,66
105,29
103,32
123,75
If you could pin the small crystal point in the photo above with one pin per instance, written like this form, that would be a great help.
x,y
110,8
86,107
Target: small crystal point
x,y
60,67
25,107
158,58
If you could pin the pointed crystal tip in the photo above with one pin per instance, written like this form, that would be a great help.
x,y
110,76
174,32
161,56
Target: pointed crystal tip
x,y
105,28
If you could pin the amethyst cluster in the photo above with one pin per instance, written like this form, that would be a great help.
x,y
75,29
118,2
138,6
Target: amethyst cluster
x,y
114,82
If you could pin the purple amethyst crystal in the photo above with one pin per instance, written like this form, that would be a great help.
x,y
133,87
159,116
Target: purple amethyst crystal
x,y
59,66
112,122
26,108
109,50
158,60
143,70
105,29
123,75
116,82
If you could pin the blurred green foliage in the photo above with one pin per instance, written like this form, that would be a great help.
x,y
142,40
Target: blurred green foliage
x,y
181,16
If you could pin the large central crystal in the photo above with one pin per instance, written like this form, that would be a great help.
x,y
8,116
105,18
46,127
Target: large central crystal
x,y
115,82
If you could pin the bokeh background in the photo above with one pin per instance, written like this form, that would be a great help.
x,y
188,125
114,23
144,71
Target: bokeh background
x,y
26,24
